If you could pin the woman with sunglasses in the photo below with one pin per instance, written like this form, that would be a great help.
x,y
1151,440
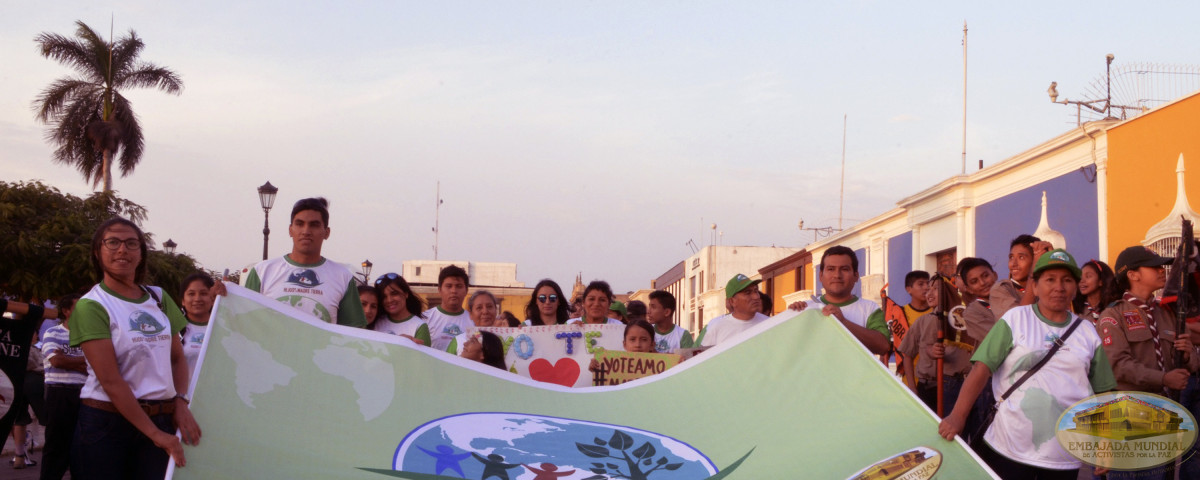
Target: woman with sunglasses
x,y
400,310
1097,289
131,402
547,305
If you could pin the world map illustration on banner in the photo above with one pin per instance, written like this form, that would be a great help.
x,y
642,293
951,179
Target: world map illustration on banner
x,y
280,394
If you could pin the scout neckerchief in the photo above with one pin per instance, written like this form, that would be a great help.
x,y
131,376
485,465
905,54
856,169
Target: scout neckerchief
x,y
1146,310
984,303
1090,312
1018,285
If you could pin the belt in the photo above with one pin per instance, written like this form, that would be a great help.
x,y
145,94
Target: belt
x,y
151,407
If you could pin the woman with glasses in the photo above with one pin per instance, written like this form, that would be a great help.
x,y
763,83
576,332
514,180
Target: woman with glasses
x,y
131,402
547,305
400,310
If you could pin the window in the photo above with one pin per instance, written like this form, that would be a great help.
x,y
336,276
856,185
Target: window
x,y
418,272
800,278
692,286
702,280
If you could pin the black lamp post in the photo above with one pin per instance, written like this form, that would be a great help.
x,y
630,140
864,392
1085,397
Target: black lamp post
x,y
366,271
266,197
169,246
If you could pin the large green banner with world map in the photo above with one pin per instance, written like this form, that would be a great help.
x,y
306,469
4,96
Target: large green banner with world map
x,y
279,394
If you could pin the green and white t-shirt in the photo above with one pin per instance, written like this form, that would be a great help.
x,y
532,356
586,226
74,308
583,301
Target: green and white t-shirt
x,y
607,321
671,341
725,327
141,334
444,326
193,341
412,326
859,311
1025,422
325,289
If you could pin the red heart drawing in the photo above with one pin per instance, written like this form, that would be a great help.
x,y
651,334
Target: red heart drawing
x,y
564,372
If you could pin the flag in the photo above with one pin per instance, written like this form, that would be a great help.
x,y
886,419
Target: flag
x,y
280,394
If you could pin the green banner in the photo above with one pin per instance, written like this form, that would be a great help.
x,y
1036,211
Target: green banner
x,y
279,394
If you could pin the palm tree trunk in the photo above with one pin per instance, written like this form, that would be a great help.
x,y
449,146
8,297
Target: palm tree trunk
x,y
107,172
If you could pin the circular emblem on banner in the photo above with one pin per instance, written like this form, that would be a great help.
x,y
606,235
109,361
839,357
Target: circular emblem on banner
x,y
1126,430
8,394
920,463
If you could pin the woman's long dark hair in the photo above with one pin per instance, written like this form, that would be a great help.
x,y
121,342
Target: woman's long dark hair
x,y
493,350
1109,291
98,238
535,315
414,304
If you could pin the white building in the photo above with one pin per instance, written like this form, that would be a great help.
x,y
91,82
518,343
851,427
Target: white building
x,y
482,274
699,287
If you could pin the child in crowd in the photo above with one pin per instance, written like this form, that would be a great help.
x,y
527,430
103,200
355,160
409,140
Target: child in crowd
x,y
370,303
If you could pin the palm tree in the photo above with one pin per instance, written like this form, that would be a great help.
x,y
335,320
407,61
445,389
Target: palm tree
x,y
89,119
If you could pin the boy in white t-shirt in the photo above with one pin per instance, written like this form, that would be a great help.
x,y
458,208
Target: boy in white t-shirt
x,y
660,312
449,319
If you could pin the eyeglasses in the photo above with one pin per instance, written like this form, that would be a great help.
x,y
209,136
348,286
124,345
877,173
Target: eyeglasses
x,y
385,278
547,298
115,243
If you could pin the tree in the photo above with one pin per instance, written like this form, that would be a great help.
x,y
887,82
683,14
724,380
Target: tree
x,y
46,237
89,119
634,461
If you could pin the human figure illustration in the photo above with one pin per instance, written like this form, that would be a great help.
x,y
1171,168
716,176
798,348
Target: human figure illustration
x,y
548,472
446,459
494,466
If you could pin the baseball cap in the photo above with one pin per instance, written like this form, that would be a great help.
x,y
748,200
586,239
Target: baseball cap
x,y
618,306
738,283
1138,256
1057,258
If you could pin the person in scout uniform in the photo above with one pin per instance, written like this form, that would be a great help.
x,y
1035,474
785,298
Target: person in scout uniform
x,y
741,293
862,317
916,285
1023,251
303,278
1139,335
921,343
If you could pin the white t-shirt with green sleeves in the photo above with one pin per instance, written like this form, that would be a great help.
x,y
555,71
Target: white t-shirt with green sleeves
x,y
193,341
1025,422
671,341
859,311
325,289
444,326
141,334
725,327
412,326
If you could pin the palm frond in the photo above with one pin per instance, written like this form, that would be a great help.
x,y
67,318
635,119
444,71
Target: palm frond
x,y
72,53
125,53
149,75
50,102
131,140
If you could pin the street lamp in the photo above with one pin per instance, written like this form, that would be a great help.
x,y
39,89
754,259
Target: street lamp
x,y
366,271
266,197
169,246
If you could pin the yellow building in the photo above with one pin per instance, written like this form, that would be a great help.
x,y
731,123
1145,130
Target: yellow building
x,y
1127,418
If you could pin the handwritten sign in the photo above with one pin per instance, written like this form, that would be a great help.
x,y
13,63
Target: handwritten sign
x,y
617,367
557,354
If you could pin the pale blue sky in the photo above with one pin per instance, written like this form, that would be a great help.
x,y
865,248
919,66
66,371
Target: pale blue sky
x,y
569,137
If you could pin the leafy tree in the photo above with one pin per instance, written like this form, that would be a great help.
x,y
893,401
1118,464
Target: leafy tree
x,y
45,241
634,461
89,118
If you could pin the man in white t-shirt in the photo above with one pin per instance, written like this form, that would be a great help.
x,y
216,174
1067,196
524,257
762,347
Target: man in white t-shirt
x,y
449,320
745,303
862,318
303,278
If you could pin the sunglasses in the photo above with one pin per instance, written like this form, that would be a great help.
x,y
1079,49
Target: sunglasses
x,y
547,298
387,277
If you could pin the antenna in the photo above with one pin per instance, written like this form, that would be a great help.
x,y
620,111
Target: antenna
x,y
842,192
964,135
437,216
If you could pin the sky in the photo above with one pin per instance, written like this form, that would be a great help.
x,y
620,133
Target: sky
x,y
592,138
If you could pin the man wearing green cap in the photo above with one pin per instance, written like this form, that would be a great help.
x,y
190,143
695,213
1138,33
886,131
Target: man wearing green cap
x,y
1138,334
862,318
616,311
741,294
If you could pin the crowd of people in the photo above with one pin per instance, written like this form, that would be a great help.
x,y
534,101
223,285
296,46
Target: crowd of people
x,y
115,365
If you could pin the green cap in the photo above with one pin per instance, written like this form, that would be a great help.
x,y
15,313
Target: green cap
x,y
618,306
738,283
1057,258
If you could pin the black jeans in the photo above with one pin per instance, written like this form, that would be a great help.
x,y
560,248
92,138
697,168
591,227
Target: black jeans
x,y
1010,469
62,413
107,446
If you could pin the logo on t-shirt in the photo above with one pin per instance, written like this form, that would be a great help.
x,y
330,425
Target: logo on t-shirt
x,y
145,324
306,278
452,330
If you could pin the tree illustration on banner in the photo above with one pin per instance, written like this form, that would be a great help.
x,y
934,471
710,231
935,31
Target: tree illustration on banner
x,y
635,460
